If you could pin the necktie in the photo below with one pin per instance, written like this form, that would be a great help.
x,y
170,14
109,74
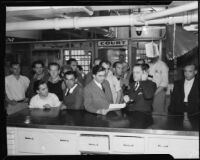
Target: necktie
x,y
103,88
67,94
136,85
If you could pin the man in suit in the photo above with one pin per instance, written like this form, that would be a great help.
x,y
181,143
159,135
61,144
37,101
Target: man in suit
x,y
89,77
97,94
73,95
185,95
140,95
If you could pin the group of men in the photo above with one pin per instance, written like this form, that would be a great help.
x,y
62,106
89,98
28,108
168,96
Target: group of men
x,y
142,88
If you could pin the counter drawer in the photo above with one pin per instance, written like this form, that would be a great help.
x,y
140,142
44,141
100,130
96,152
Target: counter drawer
x,y
159,146
93,143
178,148
60,143
29,141
128,144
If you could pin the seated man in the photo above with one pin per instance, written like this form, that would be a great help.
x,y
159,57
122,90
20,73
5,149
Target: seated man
x,y
15,87
44,99
73,95
185,95
140,95
97,94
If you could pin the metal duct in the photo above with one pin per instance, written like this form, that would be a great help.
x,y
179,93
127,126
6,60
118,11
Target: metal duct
x,y
103,21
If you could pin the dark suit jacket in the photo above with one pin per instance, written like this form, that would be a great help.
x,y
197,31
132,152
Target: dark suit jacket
x,y
177,98
95,98
75,99
88,78
143,96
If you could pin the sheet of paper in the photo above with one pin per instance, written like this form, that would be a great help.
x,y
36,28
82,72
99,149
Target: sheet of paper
x,y
113,107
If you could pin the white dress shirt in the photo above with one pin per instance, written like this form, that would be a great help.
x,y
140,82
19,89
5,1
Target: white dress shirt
x,y
187,88
114,85
16,88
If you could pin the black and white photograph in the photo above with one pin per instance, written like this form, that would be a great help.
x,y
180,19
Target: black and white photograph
x,y
102,79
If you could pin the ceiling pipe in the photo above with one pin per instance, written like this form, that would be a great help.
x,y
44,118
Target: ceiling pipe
x,y
171,11
102,21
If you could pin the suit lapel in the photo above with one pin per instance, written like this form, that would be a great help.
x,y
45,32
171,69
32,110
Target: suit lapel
x,y
98,90
193,87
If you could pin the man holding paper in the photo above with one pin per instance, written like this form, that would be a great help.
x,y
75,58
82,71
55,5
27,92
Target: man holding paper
x,y
97,94
140,95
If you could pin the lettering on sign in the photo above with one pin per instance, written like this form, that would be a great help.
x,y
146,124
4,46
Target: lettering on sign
x,y
112,43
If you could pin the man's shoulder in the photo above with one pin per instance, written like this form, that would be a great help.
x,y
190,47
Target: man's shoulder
x,y
24,77
52,95
9,77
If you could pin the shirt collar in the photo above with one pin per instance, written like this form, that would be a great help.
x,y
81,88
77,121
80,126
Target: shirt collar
x,y
97,83
190,81
58,79
72,89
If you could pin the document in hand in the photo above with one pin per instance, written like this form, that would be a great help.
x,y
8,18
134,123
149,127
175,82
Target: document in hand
x,y
113,107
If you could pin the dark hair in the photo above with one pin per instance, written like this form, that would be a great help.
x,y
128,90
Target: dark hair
x,y
80,67
191,64
145,66
141,60
38,83
106,62
115,64
71,60
97,69
37,62
14,63
139,65
71,73
54,64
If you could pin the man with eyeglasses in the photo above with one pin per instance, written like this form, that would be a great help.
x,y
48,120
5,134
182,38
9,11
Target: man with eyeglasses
x,y
73,94
97,94
114,83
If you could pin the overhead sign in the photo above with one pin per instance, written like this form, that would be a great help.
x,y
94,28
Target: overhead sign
x,y
112,43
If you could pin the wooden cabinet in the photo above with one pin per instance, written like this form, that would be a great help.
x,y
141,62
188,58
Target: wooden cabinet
x,y
128,144
30,141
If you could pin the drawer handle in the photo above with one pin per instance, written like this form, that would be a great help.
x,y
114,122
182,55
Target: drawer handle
x,y
64,140
29,138
128,145
91,144
163,146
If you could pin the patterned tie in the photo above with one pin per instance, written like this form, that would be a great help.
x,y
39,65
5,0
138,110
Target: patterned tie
x,y
67,94
136,85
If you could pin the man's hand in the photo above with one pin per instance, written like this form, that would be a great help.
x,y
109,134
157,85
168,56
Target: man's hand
x,y
46,106
126,98
25,100
62,107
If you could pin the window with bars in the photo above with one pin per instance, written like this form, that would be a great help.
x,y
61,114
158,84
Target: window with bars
x,y
83,58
